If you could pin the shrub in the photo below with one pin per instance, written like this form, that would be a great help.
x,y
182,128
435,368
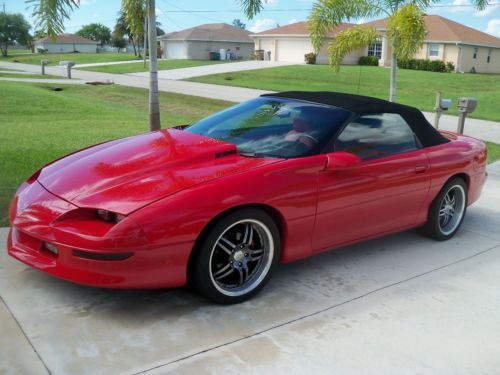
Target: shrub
x,y
310,58
368,60
41,50
425,64
450,67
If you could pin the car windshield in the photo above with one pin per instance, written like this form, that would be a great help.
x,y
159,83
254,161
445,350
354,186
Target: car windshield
x,y
274,127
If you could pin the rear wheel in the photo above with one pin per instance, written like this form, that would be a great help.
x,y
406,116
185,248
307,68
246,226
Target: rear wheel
x,y
236,257
447,211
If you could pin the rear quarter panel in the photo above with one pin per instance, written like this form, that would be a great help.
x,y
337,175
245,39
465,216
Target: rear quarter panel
x,y
462,155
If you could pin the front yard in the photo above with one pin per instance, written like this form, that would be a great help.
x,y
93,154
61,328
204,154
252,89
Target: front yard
x,y
79,58
416,88
39,125
136,67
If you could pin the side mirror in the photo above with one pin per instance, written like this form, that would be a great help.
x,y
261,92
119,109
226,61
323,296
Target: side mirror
x,y
341,160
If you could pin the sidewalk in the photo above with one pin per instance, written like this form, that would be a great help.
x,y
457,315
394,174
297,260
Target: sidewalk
x,y
482,129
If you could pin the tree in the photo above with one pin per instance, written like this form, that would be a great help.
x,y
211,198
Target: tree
x,y
39,34
13,29
97,32
118,41
238,23
405,28
122,28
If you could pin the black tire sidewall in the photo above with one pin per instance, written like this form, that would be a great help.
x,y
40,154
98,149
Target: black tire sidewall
x,y
201,274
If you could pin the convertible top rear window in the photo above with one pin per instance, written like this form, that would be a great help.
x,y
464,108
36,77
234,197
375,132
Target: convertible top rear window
x,y
276,127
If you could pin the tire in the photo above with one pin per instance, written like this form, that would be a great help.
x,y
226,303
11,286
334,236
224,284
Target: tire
x,y
447,211
235,258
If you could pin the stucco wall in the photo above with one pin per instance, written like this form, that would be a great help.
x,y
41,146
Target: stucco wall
x,y
467,61
200,50
67,47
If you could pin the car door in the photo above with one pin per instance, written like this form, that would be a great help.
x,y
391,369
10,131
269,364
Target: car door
x,y
381,194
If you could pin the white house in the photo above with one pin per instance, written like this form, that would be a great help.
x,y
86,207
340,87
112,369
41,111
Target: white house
x,y
197,42
66,43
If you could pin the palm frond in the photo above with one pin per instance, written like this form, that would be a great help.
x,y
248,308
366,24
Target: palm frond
x,y
135,11
326,14
251,7
50,14
406,30
349,40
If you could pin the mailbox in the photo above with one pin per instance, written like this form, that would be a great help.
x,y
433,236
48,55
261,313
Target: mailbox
x,y
467,105
445,104
43,63
69,65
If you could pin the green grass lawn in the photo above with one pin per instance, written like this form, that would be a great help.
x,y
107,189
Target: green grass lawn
x,y
162,65
56,123
14,75
416,88
79,58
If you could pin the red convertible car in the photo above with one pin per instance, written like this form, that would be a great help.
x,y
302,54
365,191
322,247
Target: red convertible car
x,y
219,203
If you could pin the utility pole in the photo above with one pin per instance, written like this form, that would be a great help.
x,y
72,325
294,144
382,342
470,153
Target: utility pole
x,y
4,8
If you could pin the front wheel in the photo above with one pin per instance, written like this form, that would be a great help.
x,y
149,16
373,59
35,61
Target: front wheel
x,y
236,257
447,211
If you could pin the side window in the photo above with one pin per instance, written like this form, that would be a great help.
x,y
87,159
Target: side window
x,y
376,135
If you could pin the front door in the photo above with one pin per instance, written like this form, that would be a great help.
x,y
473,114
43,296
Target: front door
x,y
383,193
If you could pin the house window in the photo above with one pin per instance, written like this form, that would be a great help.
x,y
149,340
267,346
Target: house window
x,y
475,53
375,49
433,49
488,59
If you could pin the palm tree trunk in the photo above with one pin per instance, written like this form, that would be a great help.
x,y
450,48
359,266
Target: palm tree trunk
x,y
154,103
145,35
394,67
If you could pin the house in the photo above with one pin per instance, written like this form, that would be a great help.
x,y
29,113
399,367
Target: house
x,y
66,43
197,42
446,40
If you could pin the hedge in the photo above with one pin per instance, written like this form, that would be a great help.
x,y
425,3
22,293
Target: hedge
x,y
426,64
368,60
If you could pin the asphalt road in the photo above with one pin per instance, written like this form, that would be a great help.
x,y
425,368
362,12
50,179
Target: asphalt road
x,y
402,304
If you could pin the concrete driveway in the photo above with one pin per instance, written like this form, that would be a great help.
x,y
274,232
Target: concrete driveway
x,y
396,305
204,70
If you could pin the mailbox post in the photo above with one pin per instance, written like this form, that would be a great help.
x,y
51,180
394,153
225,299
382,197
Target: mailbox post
x,y
465,105
43,63
441,106
69,65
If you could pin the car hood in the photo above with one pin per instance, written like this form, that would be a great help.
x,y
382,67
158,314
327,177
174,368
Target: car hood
x,y
126,174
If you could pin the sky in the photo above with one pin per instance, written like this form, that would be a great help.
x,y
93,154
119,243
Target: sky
x,y
177,15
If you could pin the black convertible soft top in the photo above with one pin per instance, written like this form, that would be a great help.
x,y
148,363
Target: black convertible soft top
x,y
359,105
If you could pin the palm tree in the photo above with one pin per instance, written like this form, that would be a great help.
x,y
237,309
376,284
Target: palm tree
x,y
50,16
405,28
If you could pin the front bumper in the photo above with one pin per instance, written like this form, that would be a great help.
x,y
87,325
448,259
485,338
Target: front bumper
x,y
35,216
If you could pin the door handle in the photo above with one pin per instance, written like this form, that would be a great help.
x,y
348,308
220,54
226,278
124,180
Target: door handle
x,y
420,169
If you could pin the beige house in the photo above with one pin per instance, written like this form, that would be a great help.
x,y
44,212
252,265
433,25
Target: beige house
x,y
197,42
66,43
446,40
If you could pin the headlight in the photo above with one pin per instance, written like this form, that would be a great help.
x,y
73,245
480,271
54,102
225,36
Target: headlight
x,y
110,217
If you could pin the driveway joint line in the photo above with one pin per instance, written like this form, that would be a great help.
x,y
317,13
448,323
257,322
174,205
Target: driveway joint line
x,y
25,335
374,291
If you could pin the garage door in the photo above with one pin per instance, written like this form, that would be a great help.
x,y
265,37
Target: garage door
x,y
292,50
176,50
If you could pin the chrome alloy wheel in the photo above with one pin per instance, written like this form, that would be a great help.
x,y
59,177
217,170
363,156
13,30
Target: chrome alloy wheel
x,y
452,209
241,257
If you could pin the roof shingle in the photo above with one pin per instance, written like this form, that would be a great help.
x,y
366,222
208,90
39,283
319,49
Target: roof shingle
x,y
67,38
438,29
211,32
